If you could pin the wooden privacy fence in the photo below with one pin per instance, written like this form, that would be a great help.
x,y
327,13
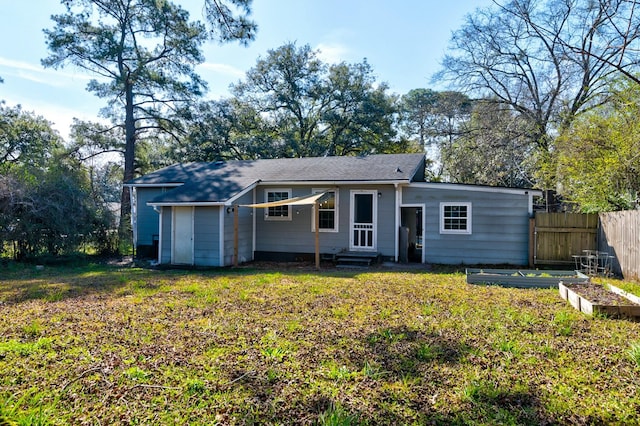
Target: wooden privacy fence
x,y
619,235
558,236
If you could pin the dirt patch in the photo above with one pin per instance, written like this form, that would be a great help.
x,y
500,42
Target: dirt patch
x,y
599,295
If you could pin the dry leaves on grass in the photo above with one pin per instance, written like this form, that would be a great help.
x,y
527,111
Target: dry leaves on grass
x,y
299,346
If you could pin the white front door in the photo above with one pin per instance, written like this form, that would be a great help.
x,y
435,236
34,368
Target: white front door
x,y
364,218
182,253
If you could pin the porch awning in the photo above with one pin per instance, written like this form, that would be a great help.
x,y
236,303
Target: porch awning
x,y
297,201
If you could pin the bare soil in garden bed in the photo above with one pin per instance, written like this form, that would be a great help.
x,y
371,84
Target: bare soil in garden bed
x,y
599,295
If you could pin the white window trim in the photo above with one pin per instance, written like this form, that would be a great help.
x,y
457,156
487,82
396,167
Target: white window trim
x,y
467,231
266,210
335,210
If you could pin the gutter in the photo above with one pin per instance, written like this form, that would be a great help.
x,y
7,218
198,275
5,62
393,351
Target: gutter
x,y
188,204
476,188
228,202
152,185
336,182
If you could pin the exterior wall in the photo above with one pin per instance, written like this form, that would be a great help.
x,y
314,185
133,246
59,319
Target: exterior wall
x,y
206,238
147,220
296,235
387,221
245,232
165,241
500,226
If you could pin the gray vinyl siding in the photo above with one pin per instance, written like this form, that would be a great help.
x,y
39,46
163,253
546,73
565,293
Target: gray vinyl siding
x,y
386,221
286,236
147,217
296,235
500,227
245,232
206,238
165,243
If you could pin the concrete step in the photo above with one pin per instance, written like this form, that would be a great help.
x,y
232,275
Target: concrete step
x,y
356,260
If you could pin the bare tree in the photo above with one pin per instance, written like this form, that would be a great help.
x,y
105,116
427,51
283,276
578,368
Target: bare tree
x,y
539,58
612,38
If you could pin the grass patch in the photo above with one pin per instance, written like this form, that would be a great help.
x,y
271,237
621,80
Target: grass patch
x,y
564,321
248,346
24,348
337,416
629,287
634,353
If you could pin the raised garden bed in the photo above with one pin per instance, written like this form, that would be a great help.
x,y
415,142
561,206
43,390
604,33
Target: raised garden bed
x,y
609,300
523,278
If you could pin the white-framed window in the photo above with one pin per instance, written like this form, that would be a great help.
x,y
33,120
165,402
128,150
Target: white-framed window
x,y
455,218
277,212
328,215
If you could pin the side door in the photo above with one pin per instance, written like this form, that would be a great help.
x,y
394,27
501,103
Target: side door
x,y
182,241
363,220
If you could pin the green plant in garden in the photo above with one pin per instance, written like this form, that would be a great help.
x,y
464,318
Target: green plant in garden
x,y
564,323
509,346
427,352
136,373
634,353
337,416
274,353
196,386
370,370
338,372
25,348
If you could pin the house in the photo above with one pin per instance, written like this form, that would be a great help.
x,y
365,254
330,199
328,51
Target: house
x,y
217,214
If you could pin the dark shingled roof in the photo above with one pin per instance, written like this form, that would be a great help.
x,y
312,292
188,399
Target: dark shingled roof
x,y
220,181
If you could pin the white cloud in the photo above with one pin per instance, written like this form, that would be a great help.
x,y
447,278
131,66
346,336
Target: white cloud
x,y
25,66
332,53
61,117
39,74
40,78
224,69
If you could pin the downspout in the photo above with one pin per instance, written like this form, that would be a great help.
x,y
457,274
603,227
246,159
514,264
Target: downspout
x,y
316,210
134,222
160,236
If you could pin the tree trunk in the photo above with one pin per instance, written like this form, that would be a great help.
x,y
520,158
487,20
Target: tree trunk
x,y
129,163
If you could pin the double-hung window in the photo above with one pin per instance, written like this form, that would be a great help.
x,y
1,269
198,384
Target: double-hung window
x,y
455,218
282,212
328,214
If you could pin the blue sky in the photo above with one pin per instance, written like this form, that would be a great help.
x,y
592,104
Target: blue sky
x,y
403,40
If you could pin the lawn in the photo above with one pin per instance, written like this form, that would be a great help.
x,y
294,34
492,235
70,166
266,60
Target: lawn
x,y
115,345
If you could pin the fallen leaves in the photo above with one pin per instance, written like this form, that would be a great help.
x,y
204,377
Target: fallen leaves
x,y
296,346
